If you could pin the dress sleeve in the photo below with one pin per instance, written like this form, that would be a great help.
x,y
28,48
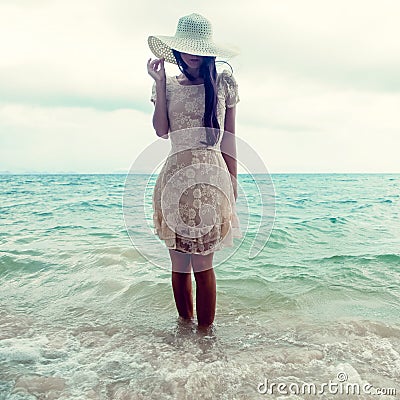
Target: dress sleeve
x,y
153,97
231,89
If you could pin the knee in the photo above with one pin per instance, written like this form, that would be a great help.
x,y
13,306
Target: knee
x,y
199,267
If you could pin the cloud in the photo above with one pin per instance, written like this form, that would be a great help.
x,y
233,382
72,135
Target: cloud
x,y
66,53
78,139
349,44
332,131
311,75
94,53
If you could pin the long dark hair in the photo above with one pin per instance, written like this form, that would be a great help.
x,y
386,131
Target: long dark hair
x,y
208,72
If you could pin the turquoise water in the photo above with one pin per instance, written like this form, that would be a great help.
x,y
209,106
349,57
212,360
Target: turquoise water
x,y
84,314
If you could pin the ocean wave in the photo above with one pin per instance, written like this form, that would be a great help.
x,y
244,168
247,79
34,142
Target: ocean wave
x,y
280,238
11,266
390,258
175,361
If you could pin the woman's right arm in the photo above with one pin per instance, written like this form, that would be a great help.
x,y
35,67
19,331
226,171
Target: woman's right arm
x,y
160,116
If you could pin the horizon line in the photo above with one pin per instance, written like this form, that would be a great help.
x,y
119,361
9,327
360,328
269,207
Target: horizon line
x,y
150,173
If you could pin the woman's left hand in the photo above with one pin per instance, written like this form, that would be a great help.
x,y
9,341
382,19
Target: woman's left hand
x,y
234,184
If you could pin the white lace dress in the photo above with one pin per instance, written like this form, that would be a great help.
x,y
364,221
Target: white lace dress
x,y
194,209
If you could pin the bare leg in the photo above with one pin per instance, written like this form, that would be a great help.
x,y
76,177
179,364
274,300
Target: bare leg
x,y
206,290
182,287
182,283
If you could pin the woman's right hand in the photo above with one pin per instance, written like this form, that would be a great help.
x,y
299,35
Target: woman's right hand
x,y
158,74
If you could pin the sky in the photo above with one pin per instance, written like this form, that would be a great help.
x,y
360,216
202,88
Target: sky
x,y
319,82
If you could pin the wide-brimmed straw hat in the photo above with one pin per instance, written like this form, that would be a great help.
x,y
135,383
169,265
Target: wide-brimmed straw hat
x,y
193,36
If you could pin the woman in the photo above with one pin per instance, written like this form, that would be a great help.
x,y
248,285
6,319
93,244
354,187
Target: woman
x,y
195,192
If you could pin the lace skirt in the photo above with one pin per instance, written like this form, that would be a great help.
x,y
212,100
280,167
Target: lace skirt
x,y
194,209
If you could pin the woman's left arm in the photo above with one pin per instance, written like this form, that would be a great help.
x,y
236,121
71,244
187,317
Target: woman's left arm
x,y
228,145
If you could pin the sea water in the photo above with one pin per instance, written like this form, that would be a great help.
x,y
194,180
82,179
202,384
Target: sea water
x,y
86,313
